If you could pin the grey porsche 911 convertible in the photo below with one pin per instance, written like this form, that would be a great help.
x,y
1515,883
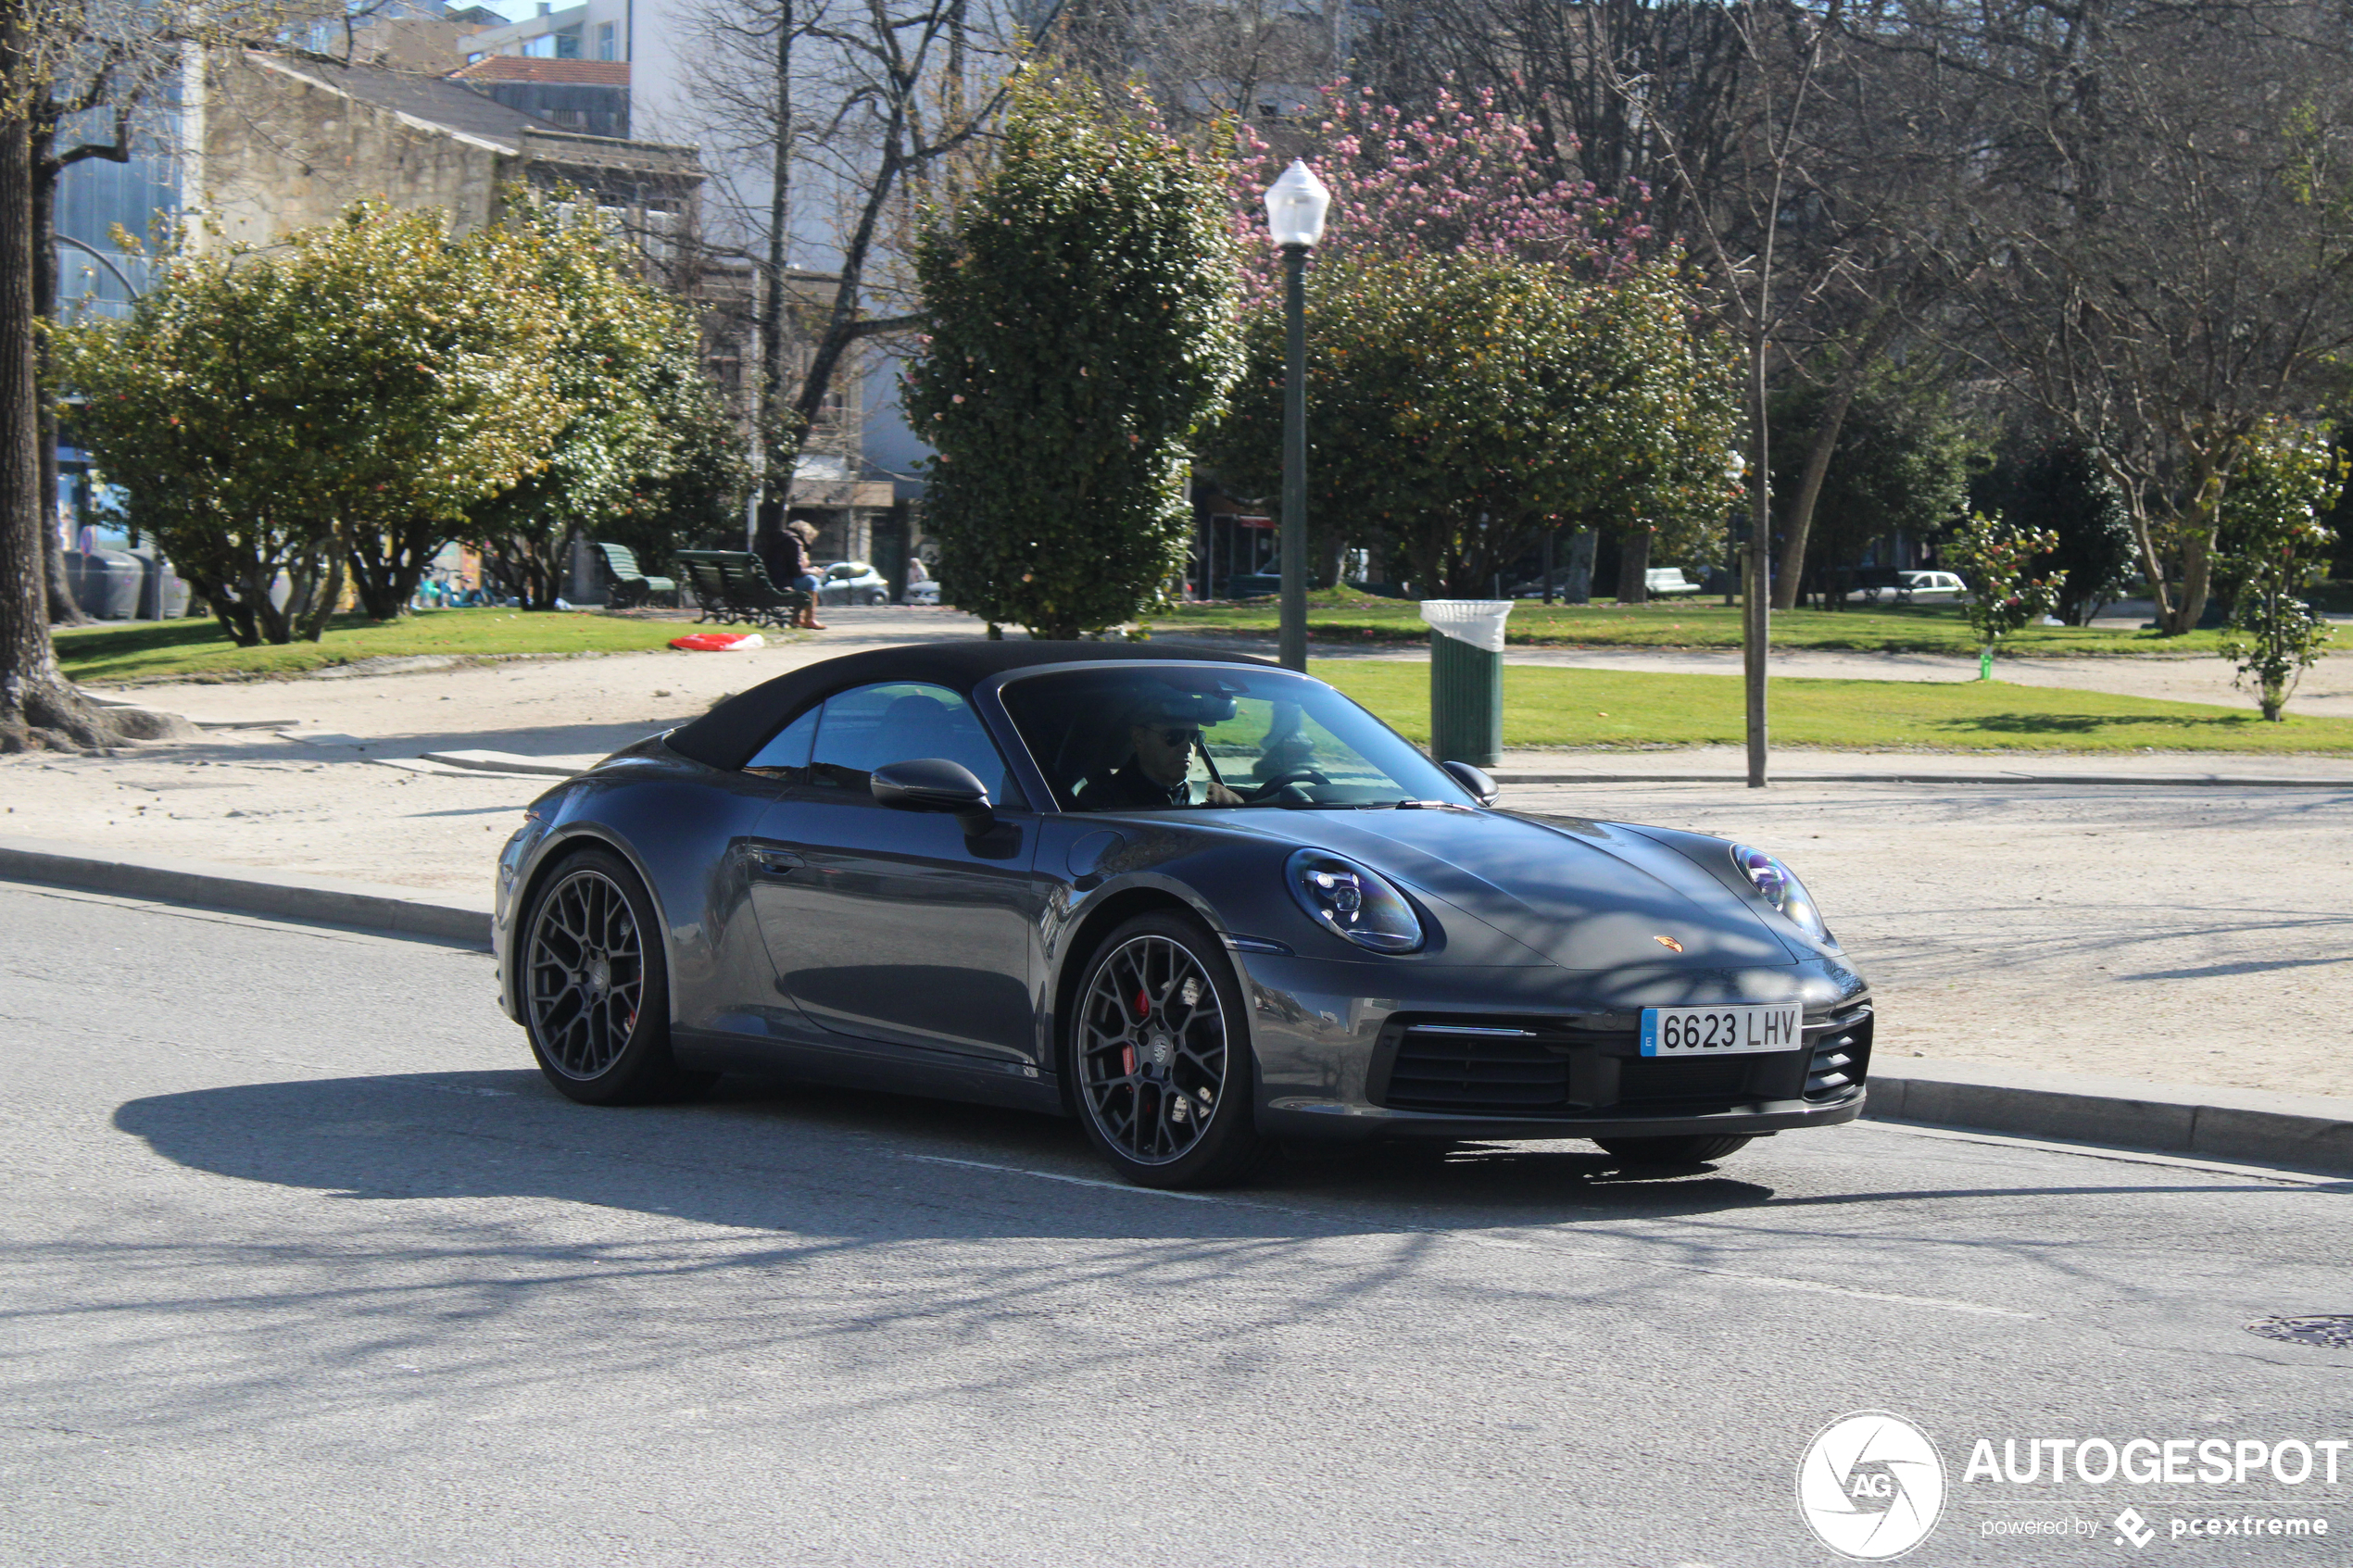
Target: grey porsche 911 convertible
x,y
1199,902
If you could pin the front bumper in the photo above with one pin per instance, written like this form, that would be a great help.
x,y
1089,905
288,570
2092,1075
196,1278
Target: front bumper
x,y
1538,1053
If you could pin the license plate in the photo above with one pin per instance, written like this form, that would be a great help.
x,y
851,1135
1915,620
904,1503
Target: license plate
x,y
1734,1031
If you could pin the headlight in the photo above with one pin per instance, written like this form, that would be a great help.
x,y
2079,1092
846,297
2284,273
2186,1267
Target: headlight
x,y
1352,903
1780,889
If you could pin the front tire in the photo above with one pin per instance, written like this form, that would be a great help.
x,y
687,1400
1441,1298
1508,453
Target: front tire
x,y
594,989
1695,1150
1160,1060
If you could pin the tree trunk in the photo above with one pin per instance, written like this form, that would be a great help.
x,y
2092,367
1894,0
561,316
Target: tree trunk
x,y
234,613
313,620
1576,588
776,486
841,325
2196,533
1800,521
63,610
1633,563
38,706
388,562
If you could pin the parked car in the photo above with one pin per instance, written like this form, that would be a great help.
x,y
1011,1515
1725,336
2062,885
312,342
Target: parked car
x,y
1195,901
1662,581
923,593
1534,587
1931,587
851,582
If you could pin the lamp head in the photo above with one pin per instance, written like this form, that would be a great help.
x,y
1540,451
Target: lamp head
x,y
1296,204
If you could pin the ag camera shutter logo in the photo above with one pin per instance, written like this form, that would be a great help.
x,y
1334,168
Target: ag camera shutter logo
x,y
1870,1485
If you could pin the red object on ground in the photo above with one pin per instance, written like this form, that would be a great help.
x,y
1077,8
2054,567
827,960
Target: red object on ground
x,y
719,641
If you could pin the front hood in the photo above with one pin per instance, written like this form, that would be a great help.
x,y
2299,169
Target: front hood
x,y
1586,896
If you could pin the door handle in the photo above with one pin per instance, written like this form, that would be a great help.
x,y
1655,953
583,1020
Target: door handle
x,y
778,863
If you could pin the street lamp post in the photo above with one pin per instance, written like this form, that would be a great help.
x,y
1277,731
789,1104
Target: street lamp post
x,y
1295,207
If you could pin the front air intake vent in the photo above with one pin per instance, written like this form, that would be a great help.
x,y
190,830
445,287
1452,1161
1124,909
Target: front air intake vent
x,y
1471,1068
1842,1053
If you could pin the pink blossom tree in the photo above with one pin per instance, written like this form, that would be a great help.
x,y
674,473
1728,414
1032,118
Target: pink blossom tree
x,y
1490,358
1464,180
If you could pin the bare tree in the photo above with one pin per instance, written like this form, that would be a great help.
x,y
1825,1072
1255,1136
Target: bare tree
x,y
2167,215
1207,60
1737,226
822,120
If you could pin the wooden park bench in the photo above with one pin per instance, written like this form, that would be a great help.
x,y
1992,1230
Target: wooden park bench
x,y
732,587
626,586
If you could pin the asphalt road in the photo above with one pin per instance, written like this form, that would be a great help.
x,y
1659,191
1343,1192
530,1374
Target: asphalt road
x,y
300,1263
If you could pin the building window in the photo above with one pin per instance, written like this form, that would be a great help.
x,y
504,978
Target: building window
x,y
608,40
540,48
567,43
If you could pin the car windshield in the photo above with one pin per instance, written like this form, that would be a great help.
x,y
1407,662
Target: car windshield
x,y
1193,735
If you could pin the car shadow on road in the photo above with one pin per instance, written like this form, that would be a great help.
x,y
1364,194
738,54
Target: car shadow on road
x,y
790,1157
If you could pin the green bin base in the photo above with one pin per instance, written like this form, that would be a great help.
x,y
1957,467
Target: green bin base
x,y
1465,702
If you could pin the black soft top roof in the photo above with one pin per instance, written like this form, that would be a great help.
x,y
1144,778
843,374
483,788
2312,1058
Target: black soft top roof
x,y
729,734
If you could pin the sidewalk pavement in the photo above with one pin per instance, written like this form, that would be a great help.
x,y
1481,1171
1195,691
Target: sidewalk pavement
x,y
2304,1132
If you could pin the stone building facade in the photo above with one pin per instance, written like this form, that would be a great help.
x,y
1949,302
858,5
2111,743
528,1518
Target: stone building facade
x,y
290,142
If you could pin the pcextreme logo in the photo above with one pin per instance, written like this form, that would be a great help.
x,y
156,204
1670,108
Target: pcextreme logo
x,y
1870,1485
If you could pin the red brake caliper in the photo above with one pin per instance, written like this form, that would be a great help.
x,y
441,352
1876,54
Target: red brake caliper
x,y
1127,1053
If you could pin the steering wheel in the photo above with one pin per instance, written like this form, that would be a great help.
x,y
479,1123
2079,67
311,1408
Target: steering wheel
x,y
1297,775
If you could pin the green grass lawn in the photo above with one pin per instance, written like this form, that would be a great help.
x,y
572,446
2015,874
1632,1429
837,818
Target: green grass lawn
x,y
1591,708
1541,706
1345,615
149,650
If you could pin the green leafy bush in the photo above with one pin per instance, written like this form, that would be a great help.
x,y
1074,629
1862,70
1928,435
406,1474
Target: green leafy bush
x,y
2276,544
1081,307
1996,560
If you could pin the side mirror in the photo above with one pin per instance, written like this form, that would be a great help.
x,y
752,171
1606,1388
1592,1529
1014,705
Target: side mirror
x,y
1483,788
933,783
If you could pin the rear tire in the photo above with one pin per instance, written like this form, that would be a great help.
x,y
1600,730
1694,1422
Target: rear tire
x,y
595,987
1165,1090
1695,1150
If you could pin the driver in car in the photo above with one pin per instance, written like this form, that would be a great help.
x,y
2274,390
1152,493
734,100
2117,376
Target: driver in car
x,y
1162,732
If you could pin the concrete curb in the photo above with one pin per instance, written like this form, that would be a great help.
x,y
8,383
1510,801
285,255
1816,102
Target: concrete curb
x,y
446,917
2244,1127
2247,1126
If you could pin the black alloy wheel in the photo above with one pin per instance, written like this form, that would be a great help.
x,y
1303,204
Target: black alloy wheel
x,y
1161,1057
595,994
1695,1150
